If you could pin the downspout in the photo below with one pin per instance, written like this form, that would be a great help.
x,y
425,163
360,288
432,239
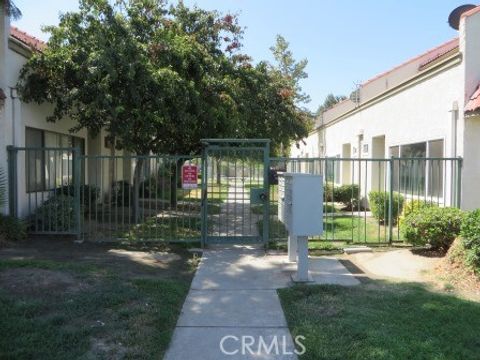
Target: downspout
x,y
454,113
13,96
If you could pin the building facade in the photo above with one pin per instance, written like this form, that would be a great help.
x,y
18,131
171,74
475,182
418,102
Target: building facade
x,y
24,125
427,107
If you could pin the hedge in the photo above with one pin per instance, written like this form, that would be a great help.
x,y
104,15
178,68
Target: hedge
x,y
433,226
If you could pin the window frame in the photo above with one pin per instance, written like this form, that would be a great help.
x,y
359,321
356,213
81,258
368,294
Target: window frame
x,y
427,184
46,178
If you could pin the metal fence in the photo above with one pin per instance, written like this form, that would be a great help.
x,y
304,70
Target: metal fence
x,y
364,198
140,198
44,188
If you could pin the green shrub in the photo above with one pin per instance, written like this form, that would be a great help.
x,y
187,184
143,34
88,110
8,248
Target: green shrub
x,y
347,195
12,229
328,191
155,188
411,206
89,194
471,239
55,214
121,193
379,203
433,226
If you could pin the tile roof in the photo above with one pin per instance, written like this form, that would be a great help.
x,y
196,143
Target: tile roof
x,y
29,40
473,104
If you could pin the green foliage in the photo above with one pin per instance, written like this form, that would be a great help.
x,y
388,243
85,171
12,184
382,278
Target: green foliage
x,y
329,102
470,232
89,194
12,11
289,68
379,205
328,191
55,214
413,205
159,78
12,229
433,226
121,193
347,195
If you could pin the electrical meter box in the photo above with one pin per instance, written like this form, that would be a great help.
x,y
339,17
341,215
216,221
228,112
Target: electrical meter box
x,y
300,203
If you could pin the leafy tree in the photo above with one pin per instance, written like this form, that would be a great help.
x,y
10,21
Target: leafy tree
x,y
157,79
11,9
329,102
290,69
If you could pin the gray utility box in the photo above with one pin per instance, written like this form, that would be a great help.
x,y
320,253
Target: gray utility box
x,y
300,203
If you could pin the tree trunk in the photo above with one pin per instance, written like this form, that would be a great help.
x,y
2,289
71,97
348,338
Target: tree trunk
x,y
219,171
137,178
175,182
111,169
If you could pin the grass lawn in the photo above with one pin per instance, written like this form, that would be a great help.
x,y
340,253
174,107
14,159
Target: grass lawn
x,y
70,302
216,193
258,209
164,229
315,247
345,228
381,321
355,229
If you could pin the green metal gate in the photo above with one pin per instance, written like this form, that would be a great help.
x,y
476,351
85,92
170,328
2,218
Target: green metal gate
x,y
235,206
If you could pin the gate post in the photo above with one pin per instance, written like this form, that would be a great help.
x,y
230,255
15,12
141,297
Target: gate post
x,y
76,190
266,182
12,181
390,201
459,183
204,205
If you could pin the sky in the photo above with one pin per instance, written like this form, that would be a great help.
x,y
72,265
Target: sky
x,y
345,42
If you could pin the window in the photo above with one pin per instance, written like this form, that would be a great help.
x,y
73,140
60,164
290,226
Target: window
x,y
35,171
415,173
332,169
48,169
435,168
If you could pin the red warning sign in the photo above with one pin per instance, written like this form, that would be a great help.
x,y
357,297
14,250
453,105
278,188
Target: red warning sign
x,y
189,176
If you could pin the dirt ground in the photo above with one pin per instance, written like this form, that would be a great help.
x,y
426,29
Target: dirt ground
x,y
407,265
90,300
129,260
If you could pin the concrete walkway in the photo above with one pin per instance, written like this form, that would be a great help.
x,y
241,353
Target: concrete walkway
x,y
233,295
236,217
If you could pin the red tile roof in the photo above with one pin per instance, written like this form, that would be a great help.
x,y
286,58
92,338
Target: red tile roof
x,y
473,104
29,40
424,58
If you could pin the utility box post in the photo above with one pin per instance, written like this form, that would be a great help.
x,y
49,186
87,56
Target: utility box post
x,y
300,209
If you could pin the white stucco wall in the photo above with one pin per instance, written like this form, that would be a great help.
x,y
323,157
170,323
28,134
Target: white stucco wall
x,y
421,112
469,33
310,147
